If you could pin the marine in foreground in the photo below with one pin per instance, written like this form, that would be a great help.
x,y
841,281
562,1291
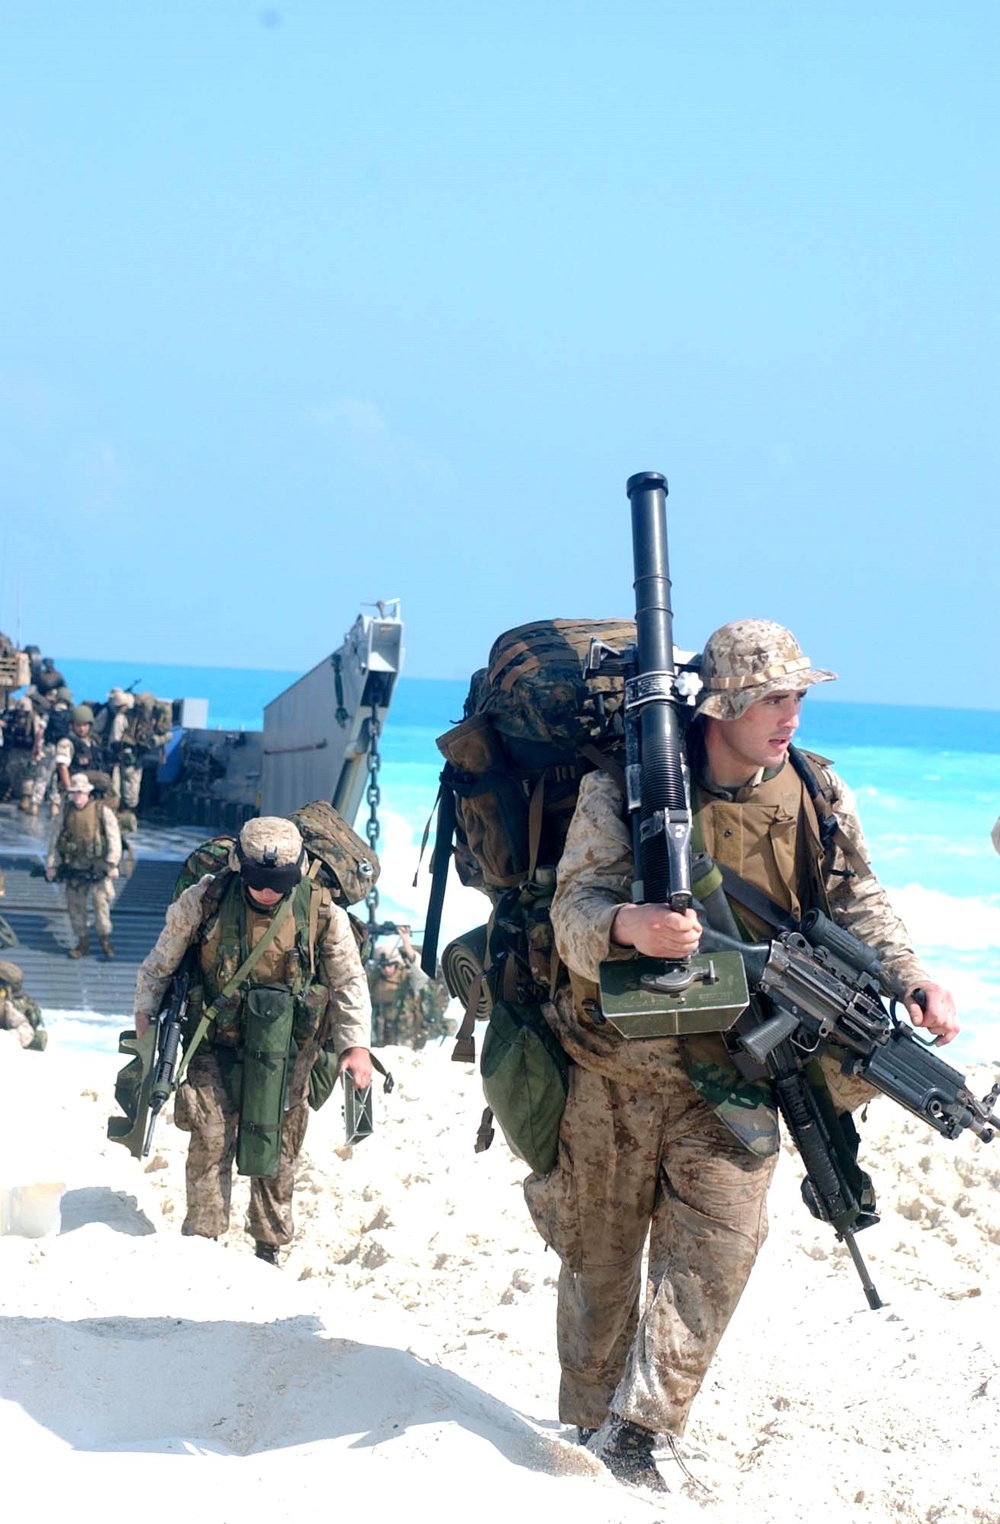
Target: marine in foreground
x,y
275,979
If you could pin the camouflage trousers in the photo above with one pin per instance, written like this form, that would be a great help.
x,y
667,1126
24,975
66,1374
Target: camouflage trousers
x,y
204,1108
632,1164
103,892
127,782
42,773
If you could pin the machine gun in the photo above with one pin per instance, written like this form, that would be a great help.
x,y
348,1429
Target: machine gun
x,y
168,1046
825,986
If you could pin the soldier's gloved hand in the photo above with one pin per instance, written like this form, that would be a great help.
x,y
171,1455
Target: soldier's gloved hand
x,y
938,1013
657,931
358,1063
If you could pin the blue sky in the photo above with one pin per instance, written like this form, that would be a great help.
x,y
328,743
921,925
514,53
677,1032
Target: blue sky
x,y
316,303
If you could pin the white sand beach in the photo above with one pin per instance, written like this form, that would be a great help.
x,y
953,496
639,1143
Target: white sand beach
x,y
402,1362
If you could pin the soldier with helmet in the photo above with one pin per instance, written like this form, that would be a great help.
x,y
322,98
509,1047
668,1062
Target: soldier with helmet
x,y
21,738
110,731
57,715
655,1140
79,751
260,934
18,1012
407,1007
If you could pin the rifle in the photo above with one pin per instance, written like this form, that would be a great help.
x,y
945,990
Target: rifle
x,y
168,1045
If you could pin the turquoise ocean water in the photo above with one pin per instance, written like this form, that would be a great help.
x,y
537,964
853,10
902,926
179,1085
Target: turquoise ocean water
x,y
927,782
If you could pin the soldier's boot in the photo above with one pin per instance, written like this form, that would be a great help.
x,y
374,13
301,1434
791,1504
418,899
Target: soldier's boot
x,y
33,808
54,807
627,1451
81,949
25,803
106,948
267,1252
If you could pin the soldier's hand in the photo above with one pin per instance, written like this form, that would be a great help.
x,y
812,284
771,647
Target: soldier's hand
x,y
938,1013
141,1023
657,931
112,873
358,1063
50,874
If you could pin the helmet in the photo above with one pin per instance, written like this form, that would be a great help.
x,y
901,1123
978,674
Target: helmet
x,y
63,694
83,715
269,854
10,975
748,660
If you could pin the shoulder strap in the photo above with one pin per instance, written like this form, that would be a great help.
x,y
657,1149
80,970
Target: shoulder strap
x,y
829,826
240,978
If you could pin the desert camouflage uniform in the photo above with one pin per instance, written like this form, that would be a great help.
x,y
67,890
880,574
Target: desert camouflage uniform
x,y
78,888
642,1152
203,1105
409,1012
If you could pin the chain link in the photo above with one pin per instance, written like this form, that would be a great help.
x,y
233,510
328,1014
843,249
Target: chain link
x,y
374,797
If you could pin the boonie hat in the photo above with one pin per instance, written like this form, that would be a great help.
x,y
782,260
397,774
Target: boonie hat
x,y
79,783
119,699
746,661
269,854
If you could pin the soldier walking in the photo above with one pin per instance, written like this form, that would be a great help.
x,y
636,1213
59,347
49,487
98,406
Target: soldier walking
x,y
84,853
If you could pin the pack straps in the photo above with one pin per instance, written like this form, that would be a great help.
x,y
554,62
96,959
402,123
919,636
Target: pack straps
x,y
240,978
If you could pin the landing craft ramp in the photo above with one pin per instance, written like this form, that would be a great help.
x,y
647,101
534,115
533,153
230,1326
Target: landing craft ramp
x,y
315,745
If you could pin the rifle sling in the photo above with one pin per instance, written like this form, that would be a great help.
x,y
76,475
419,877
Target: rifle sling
x,y
240,978
754,899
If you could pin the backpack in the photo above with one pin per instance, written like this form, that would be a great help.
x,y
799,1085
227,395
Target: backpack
x,y
57,726
534,725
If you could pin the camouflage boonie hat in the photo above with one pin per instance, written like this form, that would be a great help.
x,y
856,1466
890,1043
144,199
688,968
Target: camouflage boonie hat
x,y
79,783
119,699
746,661
11,976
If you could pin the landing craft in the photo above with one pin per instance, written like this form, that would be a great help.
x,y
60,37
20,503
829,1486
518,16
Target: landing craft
x,y
319,741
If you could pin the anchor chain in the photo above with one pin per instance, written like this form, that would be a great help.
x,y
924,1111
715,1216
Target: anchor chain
x,y
374,797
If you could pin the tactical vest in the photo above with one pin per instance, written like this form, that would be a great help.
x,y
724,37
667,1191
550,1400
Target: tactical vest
x,y
231,930
87,753
82,844
774,843
58,724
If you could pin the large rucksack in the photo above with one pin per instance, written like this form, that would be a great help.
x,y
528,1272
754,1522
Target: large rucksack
x,y
534,725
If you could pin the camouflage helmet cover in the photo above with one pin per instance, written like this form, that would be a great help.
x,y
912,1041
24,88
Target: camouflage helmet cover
x,y
10,975
269,853
748,660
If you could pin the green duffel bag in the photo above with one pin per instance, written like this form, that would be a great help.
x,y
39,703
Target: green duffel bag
x,y
268,1017
526,1080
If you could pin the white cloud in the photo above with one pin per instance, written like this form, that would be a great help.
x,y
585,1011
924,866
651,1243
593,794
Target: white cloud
x,y
361,433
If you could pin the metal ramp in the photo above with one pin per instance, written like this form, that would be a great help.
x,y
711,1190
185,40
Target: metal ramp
x,y
36,912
